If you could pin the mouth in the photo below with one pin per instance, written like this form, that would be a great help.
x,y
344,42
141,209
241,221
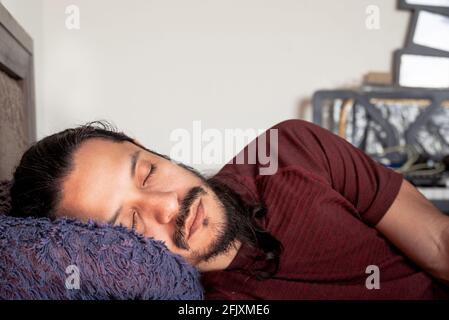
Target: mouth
x,y
195,219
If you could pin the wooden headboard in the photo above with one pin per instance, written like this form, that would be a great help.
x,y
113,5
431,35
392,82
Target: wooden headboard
x,y
17,108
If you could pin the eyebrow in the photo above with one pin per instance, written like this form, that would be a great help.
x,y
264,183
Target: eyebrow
x,y
133,158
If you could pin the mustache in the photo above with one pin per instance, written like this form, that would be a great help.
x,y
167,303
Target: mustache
x,y
179,234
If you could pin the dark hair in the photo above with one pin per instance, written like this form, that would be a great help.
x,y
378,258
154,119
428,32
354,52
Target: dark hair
x,y
36,186
265,248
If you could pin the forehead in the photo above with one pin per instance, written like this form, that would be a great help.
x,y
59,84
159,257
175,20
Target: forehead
x,y
100,171
102,151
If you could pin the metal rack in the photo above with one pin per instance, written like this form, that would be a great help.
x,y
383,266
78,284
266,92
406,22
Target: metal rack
x,y
364,98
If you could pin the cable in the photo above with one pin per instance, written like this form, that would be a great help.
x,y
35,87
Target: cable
x,y
412,156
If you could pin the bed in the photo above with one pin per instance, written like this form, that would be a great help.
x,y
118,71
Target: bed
x,y
17,106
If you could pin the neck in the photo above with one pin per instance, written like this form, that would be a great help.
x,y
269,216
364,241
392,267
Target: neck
x,y
221,261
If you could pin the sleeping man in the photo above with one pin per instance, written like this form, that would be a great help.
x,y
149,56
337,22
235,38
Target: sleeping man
x,y
329,223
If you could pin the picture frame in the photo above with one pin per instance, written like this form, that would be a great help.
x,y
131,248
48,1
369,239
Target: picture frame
x,y
427,5
417,48
397,58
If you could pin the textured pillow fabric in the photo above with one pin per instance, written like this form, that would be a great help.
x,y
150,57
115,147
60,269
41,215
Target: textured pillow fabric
x,y
113,263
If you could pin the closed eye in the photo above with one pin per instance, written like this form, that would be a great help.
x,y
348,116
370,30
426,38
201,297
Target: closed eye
x,y
150,173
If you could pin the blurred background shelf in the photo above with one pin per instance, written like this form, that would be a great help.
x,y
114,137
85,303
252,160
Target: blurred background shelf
x,y
405,129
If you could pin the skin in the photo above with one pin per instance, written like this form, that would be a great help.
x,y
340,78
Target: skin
x,y
417,228
101,182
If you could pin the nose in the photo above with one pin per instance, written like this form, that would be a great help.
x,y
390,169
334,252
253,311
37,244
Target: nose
x,y
161,206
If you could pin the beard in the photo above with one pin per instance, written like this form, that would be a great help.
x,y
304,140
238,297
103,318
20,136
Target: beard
x,y
239,224
236,223
238,216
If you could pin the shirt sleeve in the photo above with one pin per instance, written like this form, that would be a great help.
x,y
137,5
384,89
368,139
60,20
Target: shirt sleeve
x,y
368,185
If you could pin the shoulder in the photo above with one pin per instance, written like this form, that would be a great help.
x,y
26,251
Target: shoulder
x,y
300,138
291,123
299,126
289,143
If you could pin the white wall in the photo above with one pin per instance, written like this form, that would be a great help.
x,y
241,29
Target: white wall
x,y
153,66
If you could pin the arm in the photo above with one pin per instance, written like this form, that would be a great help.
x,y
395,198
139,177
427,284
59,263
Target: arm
x,y
419,230
382,198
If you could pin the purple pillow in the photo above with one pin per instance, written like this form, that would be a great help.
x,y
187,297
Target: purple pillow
x,y
67,259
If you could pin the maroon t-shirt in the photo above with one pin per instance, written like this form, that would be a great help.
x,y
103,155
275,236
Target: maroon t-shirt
x,y
322,204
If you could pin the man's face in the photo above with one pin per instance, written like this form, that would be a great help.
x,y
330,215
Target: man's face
x,y
123,184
